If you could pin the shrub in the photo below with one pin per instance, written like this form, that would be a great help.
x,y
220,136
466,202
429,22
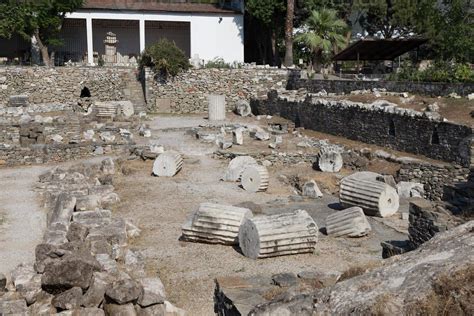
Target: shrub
x,y
165,58
440,71
217,62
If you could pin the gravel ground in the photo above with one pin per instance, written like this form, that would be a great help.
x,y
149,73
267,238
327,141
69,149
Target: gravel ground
x,y
23,219
159,206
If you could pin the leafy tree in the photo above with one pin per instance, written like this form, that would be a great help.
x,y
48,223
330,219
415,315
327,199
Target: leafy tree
x,y
452,33
290,15
393,18
165,58
42,19
324,34
270,13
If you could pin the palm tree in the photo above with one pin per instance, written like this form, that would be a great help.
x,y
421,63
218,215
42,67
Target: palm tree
x,y
324,34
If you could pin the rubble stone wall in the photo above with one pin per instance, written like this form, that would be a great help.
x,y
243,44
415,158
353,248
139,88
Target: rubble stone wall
x,y
434,177
399,129
346,86
188,91
63,84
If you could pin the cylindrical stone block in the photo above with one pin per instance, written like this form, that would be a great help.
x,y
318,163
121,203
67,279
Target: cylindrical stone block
x,y
329,160
255,178
374,197
215,223
237,166
278,235
350,222
167,164
216,107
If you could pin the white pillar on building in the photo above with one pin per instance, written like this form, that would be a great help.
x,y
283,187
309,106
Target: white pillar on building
x,y
90,42
142,35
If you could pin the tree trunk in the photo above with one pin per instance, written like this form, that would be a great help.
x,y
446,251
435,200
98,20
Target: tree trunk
x,y
43,49
290,15
274,48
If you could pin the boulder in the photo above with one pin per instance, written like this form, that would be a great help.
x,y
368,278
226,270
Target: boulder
x,y
96,291
62,212
27,282
45,254
70,271
88,203
407,190
43,305
153,310
3,282
69,299
242,108
285,279
119,310
13,307
153,292
77,232
311,190
422,282
124,291
107,166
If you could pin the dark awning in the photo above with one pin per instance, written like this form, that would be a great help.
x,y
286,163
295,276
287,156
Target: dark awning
x,y
378,49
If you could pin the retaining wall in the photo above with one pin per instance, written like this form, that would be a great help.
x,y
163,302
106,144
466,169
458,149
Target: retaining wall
x,y
396,128
188,91
346,86
64,84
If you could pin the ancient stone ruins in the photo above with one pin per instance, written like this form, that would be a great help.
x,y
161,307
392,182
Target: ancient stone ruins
x,y
231,192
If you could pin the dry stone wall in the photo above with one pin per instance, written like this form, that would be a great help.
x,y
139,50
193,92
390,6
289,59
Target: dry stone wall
x,y
382,124
188,91
63,84
434,177
346,86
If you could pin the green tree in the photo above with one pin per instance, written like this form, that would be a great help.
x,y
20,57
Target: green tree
x,y
271,14
324,34
41,19
396,18
452,33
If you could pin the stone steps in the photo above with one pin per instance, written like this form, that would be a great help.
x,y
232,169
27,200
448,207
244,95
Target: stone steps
x,y
134,92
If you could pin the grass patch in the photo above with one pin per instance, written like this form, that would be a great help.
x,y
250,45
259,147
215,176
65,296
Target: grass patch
x,y
359,270
452,294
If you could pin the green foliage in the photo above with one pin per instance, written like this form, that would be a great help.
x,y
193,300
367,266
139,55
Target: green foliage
x,y
395,17
324,34
265,10
217,62
165,58
30,17
438,72
452,33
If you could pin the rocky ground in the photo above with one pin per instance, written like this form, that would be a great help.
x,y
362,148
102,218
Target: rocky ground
x,y
159,206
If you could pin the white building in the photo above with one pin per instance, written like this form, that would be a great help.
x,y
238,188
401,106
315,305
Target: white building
x,y
201,30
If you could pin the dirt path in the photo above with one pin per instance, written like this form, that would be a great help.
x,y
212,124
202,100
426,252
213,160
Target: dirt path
x,y
159,206
23,219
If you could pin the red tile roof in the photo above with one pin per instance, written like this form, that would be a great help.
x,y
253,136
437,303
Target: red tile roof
x,y
153,5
